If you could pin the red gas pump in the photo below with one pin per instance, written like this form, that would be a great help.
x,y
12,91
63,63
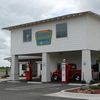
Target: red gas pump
x,y
28,72
65,71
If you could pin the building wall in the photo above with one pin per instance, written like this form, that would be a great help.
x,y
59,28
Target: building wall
x,y
76,39
93,33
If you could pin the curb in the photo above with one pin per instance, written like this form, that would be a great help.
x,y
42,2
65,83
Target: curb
x,y
13,81
79,96
4,80
75,84
30,82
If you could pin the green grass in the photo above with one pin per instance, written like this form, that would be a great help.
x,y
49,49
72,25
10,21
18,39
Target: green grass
x,y
3,69
94,87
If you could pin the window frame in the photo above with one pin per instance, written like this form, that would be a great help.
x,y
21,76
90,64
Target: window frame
x,y
65,33
25,33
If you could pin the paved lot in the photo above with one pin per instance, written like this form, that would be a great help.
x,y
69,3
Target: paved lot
x,y
25,91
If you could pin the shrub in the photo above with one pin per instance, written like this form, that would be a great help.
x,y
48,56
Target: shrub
x,y
99,84
94,87
83,87
92,82
83,82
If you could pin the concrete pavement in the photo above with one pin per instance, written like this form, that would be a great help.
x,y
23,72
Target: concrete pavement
x,y
39,90
26,91
4,79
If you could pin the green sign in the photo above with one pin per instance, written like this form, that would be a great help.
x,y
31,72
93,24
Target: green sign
x,y
43,37
24,66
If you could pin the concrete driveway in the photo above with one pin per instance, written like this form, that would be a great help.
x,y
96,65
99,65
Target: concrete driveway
x,y
26,91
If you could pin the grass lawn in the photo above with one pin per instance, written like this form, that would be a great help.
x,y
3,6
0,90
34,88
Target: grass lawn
x,y
3,69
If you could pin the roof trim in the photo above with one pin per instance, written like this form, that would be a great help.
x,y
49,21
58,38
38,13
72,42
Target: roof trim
x,y
50,20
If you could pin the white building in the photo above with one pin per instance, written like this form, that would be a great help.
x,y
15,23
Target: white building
x,y
74,36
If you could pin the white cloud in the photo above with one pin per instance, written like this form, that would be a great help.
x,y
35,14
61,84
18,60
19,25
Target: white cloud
x,y
89,5
4,47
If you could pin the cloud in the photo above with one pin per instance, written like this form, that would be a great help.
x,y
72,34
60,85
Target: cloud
x,y
4,47
16,12
92,5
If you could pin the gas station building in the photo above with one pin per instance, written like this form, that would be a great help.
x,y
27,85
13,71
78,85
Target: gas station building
x,y
75,37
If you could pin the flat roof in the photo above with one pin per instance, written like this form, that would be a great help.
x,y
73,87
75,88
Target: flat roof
x,y
24,57
50,20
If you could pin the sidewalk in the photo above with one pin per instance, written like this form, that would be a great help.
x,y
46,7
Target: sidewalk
x,y
4,79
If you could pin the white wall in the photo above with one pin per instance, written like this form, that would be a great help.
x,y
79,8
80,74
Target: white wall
x,y
75,41
39,70
93,33
83,33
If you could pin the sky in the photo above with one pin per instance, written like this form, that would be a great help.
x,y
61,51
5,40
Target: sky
x,y
13,12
